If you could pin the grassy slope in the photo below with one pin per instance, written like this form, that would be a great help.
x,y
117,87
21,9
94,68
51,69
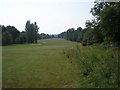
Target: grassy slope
x,y
38,65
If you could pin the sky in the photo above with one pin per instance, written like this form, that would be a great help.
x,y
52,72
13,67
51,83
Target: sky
x,y
52,16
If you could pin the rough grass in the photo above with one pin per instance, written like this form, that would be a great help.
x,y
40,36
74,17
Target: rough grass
x,y
41,65
58,63
98,67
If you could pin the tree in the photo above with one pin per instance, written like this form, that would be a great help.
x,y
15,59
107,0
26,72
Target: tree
x,y
63,35
36,28
110,22
31,32
98,8
89,24
44,36
7,38
70,34
3,29
21,39
107,15
10,33
88,35
13,31
79,34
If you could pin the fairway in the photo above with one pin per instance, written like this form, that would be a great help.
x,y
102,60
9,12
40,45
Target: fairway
x,y
60,44
41,65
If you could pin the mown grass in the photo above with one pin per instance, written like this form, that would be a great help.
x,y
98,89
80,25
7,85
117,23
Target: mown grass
x,y
98,67
41,65
58,63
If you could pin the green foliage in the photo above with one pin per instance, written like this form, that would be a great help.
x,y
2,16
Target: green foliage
x,y
110,22
13,34
44,36
21,39
105,26
31,32
107,15
89,24
92,36
88,35
7,38
97,9
97,36
84,43
79,34
63,35
98,67
3,29
13,31
72,34
108,44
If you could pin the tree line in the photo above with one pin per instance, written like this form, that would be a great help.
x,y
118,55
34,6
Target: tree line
x,y
72,34
10,34
46,36
105,27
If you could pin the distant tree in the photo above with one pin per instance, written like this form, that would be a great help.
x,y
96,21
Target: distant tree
x,y
79,34
63,35
21,39
10,33
36,28
44,36
88,35
3,28
7,38
13,31
72,34
31,32
52,36
105,25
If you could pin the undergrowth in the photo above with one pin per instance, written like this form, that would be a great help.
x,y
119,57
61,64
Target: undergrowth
x,y
98,67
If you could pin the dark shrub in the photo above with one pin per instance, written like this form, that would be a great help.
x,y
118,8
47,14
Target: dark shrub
x,y
89,43
84,43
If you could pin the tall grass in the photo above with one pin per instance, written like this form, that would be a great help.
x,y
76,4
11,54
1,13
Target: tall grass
x,y
98,67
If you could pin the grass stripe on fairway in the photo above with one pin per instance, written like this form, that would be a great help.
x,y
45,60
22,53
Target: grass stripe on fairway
x,y
38,65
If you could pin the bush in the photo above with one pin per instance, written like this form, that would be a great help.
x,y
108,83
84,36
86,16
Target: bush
x,y
21,39
89,43
98,67
7,38
84,43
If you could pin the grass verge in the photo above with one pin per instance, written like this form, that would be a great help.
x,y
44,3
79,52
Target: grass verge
x,y
98,67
